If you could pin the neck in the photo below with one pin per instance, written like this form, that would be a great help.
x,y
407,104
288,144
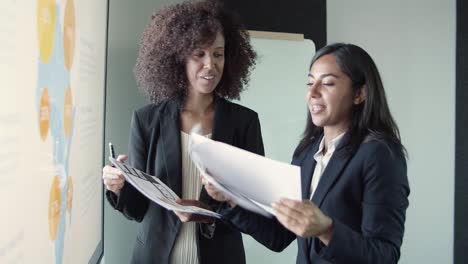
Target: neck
x,y
330,133
198,103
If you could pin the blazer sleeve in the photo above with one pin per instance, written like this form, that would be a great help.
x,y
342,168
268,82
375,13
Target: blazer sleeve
x,y
267,231
131,202
385,200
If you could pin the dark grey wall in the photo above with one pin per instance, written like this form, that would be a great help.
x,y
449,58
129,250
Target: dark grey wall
x,y
293,16
461,139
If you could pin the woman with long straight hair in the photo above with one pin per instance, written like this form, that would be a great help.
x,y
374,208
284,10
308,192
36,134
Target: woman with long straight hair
x,y
353,170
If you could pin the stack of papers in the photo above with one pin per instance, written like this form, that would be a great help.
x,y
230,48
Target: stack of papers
x,y
157,191
250,180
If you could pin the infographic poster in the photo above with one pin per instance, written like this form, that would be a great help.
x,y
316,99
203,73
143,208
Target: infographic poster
x,y
52,55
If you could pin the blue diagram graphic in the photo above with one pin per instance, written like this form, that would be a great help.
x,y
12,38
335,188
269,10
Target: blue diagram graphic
x,y
55,77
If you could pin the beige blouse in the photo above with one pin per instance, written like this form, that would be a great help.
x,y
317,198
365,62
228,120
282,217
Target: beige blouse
x,y
185,246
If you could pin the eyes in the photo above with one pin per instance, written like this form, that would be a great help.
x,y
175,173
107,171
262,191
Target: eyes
x,y
201,54
328,83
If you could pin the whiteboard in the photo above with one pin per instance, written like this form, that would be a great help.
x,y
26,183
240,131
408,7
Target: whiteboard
x,y
52,70
277,93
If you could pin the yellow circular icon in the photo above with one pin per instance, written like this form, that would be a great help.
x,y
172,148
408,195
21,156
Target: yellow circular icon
x,y
69,34
68,112
44,113
54,208
46,28
69,194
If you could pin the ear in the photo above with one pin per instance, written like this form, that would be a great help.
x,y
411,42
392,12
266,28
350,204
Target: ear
x,y
360,95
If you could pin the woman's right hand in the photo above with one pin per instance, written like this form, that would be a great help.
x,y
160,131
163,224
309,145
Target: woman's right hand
x,y
215,193
113,177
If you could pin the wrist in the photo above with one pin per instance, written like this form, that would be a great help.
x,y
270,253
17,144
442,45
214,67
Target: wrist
x,y
327,234
231,203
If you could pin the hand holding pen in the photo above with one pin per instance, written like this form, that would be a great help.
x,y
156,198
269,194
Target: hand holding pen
x,y
112,177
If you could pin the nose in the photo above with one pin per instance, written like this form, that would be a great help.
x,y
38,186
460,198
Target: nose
x,y
313,90
208,62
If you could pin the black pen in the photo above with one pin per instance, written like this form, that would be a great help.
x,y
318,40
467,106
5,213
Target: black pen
x,y
111,150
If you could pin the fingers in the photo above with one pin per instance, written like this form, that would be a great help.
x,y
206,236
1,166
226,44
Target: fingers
x,y
303,218
184,217
289,208
288,222
205,182
193,203
111,182
188,217
289,218
111,172
187,202
115,188
122,157
113,175
113,179
212,191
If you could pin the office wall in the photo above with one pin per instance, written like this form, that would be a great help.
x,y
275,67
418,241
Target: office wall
x,y
127,20
281,107
413,44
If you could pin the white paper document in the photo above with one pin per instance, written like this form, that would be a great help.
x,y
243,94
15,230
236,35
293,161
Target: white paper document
x,y
250,180
156,190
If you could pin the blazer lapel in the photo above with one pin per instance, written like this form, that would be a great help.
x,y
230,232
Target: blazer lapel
x,y
307,164
170,136
307,169
332,172
222,126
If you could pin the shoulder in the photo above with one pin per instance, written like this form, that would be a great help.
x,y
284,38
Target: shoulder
x,y
381,154
237,109
236,115
150,114
150,109
379,148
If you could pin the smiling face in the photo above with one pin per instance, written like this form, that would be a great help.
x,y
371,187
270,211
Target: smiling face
x,y
204,66
330,96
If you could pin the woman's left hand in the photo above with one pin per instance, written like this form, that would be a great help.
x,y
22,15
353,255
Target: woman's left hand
x,y
189,217
304,219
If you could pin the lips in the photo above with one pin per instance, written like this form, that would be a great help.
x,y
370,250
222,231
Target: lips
x,y
208,77
316,108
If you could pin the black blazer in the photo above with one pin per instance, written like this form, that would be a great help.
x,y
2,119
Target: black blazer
x,y
154,147
365,194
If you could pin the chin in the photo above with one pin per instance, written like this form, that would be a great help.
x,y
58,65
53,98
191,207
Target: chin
x,y
317,121
205,90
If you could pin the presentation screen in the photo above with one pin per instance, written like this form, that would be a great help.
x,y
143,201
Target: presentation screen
x,y
52,68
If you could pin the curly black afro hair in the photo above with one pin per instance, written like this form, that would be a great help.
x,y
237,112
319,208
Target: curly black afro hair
x,y
174,32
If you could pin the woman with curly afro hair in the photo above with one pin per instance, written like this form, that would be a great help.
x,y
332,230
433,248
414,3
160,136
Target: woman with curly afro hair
x,y
193,58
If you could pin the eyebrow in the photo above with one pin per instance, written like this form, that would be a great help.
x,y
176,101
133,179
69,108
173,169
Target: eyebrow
x,y
324,75
202,48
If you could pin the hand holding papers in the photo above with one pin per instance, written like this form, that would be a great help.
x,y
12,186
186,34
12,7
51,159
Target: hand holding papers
x,y
250,180
156,190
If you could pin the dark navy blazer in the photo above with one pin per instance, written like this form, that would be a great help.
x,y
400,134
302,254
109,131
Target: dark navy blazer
x,y
155,148
365,194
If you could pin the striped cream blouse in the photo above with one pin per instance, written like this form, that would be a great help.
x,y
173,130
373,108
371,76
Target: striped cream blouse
x,y
185,247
